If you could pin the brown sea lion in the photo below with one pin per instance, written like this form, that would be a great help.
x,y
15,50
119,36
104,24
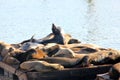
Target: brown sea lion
x,y
114,72
41,66
8,56
10,60
31,54
69,40
51,48
83,48
86,48
65,52
109,56
66,62
4,48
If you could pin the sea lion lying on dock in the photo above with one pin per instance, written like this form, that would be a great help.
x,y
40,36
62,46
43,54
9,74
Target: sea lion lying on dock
x,y
57,36
65,52
41,66
86,48
109,56
30,45
51,49
66,62
31,54
7,52
4,48
115,71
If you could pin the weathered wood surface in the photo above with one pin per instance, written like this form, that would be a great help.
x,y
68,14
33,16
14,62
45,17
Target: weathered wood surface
x,y
70,74
86,73
13,70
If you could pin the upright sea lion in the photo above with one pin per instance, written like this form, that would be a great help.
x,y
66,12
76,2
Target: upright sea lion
x,y
41,66
58,37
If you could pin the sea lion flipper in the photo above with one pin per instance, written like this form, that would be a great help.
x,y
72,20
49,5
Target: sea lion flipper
x,y
56,30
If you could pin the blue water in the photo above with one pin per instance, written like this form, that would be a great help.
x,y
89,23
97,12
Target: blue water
x,y
90,21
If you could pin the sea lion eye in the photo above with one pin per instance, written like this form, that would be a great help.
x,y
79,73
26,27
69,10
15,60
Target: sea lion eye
x,y
10,49
110,53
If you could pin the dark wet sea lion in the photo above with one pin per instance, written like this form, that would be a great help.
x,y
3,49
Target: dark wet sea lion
x,y
114,72
71,41
41,66
66,62
29,40
58,37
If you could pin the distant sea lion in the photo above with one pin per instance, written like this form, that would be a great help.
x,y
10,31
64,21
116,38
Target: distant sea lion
x,y
114,72
41,66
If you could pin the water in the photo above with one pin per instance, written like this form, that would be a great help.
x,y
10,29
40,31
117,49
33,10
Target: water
x,y
90,21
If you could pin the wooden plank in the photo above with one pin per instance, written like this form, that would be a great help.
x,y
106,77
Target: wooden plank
x,y
12,69
86,73
70,74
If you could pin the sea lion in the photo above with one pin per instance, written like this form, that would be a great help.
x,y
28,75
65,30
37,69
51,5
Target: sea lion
x,y
65,52
83,47
66,62
58,37
31,54
109,56
86,48
10,60
4,48
114,72
41,66
9,56
30,45
51,48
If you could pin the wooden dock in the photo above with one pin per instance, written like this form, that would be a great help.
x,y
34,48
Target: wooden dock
x,y
86,73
